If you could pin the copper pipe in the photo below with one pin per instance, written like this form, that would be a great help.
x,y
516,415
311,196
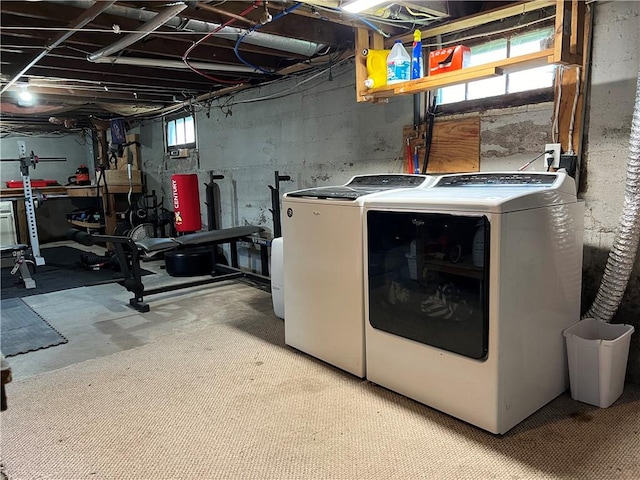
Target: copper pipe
x,y
205,6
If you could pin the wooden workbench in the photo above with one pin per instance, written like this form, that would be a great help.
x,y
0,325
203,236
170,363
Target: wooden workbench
x,y
18,193
115,194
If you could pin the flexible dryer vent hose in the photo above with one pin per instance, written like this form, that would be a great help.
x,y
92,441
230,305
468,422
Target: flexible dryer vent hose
x,y
625,245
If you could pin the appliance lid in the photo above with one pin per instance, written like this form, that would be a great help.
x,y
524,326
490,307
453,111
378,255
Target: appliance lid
x,y
361,185
511,179
483,192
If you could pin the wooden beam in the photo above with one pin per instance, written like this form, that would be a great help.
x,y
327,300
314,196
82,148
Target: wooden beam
x,y
573,80
478,19
362,45
569,32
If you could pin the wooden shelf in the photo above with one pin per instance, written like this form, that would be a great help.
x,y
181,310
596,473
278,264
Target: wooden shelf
x,y
567,48
479,72
80,223
91,190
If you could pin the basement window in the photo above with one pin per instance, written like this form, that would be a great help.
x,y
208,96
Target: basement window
x,y
525,80
180,132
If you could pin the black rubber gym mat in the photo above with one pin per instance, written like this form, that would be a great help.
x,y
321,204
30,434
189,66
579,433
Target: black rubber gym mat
x,y
22,330
62,271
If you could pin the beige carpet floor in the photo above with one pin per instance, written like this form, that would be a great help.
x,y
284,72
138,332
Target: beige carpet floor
x,y
231,401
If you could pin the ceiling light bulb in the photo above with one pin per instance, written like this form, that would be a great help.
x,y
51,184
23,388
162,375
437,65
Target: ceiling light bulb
x,y
25,95
358,6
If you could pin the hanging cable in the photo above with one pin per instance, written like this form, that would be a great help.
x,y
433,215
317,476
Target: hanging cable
x,y
256,27
556,112
371,25
217,29
573,112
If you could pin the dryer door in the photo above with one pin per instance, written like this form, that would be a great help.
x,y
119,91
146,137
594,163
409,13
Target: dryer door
x,y
428,279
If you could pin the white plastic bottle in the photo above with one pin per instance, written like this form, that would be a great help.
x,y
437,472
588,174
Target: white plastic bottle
x,y
398,64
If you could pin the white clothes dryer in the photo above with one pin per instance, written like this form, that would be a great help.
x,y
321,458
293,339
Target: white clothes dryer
x,y
323,267
468,287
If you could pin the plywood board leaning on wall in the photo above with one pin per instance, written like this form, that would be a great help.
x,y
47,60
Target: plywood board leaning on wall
x,y
455,146
130,152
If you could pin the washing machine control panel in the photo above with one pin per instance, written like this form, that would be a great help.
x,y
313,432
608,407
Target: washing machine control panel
x,y
498,179
361,185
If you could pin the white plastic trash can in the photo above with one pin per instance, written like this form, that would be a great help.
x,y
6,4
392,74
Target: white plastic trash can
x,y
277,276
597,353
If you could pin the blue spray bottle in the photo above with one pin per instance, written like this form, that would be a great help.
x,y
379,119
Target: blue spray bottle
x,y
417,69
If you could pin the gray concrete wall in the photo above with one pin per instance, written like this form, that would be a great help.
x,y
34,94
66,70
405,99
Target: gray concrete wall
x,y
319,137
614,73
76,148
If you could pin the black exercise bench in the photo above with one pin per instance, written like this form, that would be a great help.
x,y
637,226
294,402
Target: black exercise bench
x,y
129,252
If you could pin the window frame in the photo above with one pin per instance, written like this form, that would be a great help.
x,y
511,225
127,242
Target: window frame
x,y
509,39
173,118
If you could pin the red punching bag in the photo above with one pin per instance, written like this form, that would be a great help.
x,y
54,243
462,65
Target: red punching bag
x,y
186,202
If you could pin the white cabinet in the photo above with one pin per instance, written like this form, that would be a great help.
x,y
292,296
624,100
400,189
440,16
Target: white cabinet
x,y
7,224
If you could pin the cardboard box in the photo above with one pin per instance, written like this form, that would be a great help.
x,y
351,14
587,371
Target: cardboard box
x,y
449,59
120,177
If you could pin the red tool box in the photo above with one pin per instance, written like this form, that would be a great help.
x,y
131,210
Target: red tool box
x,y
34,183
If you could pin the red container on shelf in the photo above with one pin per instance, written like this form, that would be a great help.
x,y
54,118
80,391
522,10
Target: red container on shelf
x,y
449,59
186,202
34,183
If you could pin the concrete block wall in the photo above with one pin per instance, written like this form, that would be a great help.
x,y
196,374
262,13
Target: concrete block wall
x,y
614,72
76,148
318,137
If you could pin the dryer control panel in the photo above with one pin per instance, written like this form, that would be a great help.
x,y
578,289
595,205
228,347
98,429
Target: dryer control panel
x,y
498,179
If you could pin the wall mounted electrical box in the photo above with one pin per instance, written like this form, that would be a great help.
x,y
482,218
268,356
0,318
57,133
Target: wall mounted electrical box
x,y
179,152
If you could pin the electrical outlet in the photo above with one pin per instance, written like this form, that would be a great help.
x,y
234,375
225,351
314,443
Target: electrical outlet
x,y
552,159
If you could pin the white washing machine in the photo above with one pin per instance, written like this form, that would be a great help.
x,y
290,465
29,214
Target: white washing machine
x,y
468,287
323,267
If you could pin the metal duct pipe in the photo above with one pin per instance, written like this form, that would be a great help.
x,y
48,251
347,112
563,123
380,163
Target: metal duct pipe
x,y
284,44
156,22
160,63
94,9
625,245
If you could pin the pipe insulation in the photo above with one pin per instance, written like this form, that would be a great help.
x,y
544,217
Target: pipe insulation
x,y
267,40
153,24
625,245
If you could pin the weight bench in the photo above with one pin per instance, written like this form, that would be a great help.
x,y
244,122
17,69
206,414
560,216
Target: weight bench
x,y
129,258
21,266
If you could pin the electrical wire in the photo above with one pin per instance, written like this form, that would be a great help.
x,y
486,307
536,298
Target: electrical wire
x,y
493,32
534,159
419,14
556,113
100,30
229,102
286,91
384,21
573,112
286,11
214,31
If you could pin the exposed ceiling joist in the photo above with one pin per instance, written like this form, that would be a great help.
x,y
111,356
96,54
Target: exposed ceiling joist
x,y
233,49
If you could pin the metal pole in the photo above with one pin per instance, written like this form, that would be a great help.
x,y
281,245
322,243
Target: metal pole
x,y
28,202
